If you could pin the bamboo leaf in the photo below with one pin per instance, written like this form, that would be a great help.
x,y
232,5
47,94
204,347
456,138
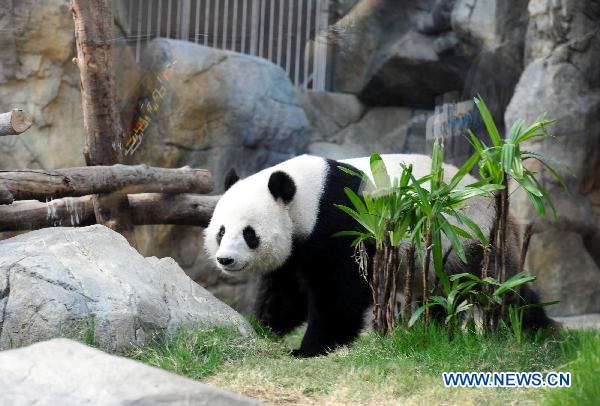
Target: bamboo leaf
x,y
356,202
488,121
379,171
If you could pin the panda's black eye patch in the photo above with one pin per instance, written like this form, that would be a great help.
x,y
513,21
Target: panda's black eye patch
x,y
220,234
251,238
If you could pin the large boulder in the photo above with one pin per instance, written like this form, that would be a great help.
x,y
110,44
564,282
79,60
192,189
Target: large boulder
x,y
216,110
562,79
342,127
59,282
411,53
64,372
219,109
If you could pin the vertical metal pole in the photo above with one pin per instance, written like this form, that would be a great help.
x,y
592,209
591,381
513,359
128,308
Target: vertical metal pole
x,y
159,11
298,44
254,28
261,41
306,41
235,23
288,53
184,11
197,22
280,31
216,24
271,28
206,21
244,19
169,19
149,26
225,23
178,7
138,33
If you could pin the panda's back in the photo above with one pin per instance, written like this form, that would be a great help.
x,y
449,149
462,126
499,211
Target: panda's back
x,y
421,166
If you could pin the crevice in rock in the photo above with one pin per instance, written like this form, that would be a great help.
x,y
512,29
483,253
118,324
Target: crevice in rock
x,y
4,297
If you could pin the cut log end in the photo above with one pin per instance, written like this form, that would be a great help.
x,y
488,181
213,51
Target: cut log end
x,y
20,121
14,122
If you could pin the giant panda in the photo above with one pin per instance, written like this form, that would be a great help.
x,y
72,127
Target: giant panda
x,y
279,223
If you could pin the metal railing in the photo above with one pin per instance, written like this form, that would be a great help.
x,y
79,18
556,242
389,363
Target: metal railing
x,y
289,33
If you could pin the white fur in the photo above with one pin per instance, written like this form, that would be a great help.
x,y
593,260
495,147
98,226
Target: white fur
x,y
249,202
421,166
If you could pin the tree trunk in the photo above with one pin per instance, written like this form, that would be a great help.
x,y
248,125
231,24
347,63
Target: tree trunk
x,y
408,284
14,122
378,259
146,208
104,132
393,269
42,185
503,246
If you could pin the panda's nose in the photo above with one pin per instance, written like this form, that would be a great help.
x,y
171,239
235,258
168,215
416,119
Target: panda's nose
x,y
225,261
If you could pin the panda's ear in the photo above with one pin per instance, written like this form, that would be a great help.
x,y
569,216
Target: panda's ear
x,y
282,186
230,178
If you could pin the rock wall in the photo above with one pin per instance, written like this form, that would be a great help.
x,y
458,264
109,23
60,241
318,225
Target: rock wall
x,y
562,79
37,75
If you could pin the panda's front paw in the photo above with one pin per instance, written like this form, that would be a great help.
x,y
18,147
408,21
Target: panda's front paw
x,y
308,352
298,353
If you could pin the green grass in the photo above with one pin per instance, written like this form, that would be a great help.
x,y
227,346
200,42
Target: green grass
x,y
405,367
585,370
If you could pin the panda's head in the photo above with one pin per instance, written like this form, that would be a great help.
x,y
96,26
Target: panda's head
x,y
251,229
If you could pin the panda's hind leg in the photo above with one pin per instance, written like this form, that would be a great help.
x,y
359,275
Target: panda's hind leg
x,y
281,304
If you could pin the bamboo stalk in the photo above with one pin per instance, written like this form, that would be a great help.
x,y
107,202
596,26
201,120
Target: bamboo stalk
x,y
425,277
408,282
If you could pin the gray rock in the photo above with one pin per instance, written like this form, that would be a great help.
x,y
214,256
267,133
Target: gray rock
x,y
65,372
383,54
565,271
330,113
561,80
220,110
37,75
59,282
585,321
342,127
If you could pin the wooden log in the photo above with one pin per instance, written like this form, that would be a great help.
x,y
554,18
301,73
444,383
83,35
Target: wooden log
x,y
146,208
104,131
43,185
5,196
14,122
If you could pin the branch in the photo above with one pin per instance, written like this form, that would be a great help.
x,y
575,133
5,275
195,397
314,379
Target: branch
x,y
5,196
14,122
146,208
43,185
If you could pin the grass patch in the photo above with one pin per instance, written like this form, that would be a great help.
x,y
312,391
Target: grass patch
x,y
404,367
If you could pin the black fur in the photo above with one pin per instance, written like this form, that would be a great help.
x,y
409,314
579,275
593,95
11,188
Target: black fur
x,y
230,178
220,234
282,186
321,281
251,238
